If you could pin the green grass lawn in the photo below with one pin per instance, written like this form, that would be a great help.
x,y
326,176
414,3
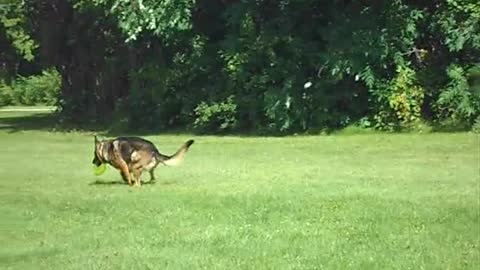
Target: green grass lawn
x,y
377,201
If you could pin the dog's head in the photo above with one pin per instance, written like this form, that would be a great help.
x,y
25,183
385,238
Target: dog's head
x,y
97,153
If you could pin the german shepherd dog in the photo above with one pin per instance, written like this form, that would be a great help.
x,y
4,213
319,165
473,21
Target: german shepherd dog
x,y
133,155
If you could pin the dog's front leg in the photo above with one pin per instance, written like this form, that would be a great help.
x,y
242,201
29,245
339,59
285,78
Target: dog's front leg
x,y
152,175
137,175
125,172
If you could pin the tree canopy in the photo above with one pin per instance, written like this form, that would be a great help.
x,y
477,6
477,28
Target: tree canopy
x,y
265,65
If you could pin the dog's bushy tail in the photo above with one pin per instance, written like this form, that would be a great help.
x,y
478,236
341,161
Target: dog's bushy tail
x,y
177,158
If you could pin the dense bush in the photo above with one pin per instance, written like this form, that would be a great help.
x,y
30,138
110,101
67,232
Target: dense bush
x,y
457,100
32,90
216,117
5,94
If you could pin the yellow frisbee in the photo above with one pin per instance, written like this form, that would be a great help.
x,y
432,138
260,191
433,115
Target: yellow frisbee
x,y
98,170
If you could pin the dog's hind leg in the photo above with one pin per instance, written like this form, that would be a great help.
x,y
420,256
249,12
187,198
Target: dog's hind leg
x,y
125,172
124,177
137,173
118,162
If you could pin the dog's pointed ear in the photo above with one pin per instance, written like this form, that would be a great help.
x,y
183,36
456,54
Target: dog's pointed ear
x,y
95,139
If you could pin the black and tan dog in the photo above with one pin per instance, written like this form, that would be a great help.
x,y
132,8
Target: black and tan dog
x,y
133,155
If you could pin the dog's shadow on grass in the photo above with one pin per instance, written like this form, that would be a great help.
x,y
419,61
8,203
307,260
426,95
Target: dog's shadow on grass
x,y
107,183
120,182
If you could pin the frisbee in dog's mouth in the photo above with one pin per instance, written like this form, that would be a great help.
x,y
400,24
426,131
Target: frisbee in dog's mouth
x,y
98,170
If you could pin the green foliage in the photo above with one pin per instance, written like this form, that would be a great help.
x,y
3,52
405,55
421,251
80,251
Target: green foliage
x,y
13,19
406,96
32,90
216,116
460,24
476,125
5,93
161,64
162,18
456,100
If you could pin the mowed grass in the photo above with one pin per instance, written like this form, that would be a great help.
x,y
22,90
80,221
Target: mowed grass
x,y
372,201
